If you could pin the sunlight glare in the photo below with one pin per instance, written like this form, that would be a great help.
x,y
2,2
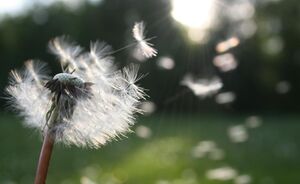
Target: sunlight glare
x,y
11,6
196,15
193,13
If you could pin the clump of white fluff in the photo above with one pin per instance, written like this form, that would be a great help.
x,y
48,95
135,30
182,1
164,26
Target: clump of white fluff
x,y
107,114
144,46
202,87
28,96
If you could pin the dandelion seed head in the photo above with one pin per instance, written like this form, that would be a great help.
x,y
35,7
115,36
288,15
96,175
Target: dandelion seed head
x,y
91,105
67,78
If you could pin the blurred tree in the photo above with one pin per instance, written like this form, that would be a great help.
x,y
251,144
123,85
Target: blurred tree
x,y
254,81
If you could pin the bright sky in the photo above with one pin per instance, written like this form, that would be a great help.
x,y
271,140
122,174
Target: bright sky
x,y
12,6
16,7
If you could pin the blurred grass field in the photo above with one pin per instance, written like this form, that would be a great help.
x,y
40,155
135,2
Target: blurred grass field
x,y
270,156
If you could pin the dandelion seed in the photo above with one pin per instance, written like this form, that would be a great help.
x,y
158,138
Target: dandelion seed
x,y
86,180
273,45
202,87
253,122
31,71
227,44
143,46
99,56
216,154
283,87
247,28
225,62
238,133
66,51
148,107
222,173
240,11
143,132
207,148
225,98
198,152
166,63
243,179
136,54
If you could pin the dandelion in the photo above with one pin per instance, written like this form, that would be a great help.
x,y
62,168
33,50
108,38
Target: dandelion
x,y
143,46
88,105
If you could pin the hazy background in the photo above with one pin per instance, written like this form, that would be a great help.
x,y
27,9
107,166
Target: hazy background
x,y
251,123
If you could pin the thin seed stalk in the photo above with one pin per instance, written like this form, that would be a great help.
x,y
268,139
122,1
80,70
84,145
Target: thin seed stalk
x,y
47,147
44,160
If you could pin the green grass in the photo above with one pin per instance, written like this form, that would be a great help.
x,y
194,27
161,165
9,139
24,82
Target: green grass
x,y
270,156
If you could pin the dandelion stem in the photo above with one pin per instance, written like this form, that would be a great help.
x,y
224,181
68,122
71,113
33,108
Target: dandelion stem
x,y
44,160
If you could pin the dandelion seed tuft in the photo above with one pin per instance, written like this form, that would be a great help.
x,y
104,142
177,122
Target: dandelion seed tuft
x,y
202,87
143,46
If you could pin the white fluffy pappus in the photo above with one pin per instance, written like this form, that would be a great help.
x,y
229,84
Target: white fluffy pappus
x,y
107,112
202,87
143,46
